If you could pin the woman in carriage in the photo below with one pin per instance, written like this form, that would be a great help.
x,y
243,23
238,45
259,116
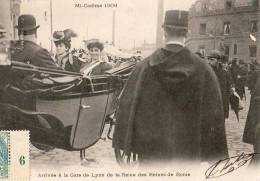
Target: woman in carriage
x,y
64,58
98,63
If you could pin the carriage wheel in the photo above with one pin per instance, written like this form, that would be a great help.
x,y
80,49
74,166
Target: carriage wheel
x,y
42,146
125,160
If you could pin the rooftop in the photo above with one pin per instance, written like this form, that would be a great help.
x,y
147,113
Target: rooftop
x,y
219,7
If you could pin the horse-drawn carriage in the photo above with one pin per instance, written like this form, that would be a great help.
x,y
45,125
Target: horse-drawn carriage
x,y
61,109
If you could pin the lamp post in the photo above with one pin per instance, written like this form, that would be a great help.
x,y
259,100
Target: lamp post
x,y
51,24
159,33
215,34
113,27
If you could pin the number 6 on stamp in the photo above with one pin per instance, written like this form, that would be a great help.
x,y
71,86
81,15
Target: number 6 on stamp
x,y
14,155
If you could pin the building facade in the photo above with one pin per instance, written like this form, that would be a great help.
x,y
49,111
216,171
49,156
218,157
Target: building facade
x,y
9,13
231,26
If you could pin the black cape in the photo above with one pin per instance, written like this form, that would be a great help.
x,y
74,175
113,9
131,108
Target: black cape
x,y
253,116
171,109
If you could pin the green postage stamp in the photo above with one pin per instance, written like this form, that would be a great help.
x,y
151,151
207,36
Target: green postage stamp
x,y
4,154
14,155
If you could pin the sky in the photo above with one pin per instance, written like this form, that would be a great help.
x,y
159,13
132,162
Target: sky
x,y
135,20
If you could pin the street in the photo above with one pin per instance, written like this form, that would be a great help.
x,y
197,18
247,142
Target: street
x,y
235,129
101,155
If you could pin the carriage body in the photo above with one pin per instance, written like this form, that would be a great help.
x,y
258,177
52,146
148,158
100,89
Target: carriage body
x,y
60,109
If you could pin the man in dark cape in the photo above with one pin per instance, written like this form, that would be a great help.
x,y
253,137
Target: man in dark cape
x,y
252,128
171,108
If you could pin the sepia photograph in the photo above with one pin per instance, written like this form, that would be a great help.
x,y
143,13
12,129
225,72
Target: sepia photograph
x,y
129,90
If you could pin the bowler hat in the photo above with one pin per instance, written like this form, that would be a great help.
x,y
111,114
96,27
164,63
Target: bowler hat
x,y
176,19
27,22
2,29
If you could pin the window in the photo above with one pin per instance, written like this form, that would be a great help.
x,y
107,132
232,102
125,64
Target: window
x,y
255,3
203,29
235,49
227,28
254,26
226,48
228,4
252,51
204,7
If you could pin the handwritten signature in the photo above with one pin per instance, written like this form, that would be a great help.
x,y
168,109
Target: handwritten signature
x,y
225,166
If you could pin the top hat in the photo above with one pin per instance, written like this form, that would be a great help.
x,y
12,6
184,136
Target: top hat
x,y
65,35
2,29
27,22
176,19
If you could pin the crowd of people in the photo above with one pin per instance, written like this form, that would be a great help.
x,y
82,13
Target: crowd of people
x,y
233,76
175,102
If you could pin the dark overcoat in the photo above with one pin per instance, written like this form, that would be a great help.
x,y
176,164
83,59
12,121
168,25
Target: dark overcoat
x,y
171,109
239,76
31,53
253,116
251,80
225,82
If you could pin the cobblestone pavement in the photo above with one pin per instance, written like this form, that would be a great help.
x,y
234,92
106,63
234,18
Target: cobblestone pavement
x,y
235,129
102,154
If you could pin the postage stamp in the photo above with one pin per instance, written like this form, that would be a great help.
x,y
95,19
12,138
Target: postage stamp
x,y
14,155
4,154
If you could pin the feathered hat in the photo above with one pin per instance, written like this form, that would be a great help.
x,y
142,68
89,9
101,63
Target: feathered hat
x,y
64,35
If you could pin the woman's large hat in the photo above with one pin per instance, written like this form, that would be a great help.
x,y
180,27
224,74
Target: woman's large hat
x,y
27,22
176,19
65,35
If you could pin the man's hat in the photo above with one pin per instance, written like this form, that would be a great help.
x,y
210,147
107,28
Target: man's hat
x,y
27,22
176,19
2,29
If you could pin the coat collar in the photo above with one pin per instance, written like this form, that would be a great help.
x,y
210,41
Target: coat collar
x,y
164,54
172,42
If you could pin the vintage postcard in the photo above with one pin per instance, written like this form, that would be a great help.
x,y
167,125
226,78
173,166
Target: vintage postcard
x,y
129,90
